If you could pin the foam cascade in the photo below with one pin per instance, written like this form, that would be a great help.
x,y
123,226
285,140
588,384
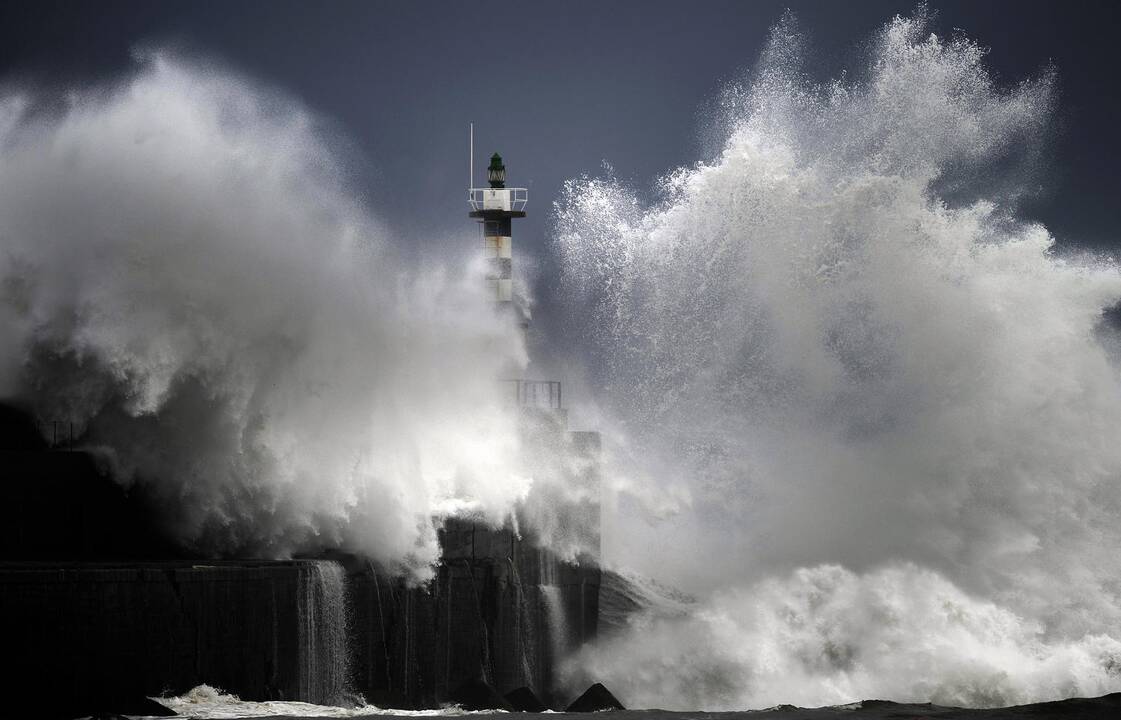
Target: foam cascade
x,y
557,620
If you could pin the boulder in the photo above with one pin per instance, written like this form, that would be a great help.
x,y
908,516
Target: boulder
x,y
478,695
525,700
594,699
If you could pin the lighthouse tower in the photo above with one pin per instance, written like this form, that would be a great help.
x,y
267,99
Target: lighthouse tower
x,y
574,519
495,207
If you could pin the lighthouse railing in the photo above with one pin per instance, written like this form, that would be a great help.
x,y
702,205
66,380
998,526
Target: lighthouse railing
x,y
498,198
542,394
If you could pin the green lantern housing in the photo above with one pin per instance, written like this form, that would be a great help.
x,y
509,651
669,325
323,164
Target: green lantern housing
x,y
496,173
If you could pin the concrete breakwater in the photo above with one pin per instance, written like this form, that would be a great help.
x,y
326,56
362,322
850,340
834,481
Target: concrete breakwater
x,y
486,616
98,608
100,635
92,636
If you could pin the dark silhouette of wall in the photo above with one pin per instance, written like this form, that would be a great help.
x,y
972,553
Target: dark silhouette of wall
x,y
99,608
91,637
60,504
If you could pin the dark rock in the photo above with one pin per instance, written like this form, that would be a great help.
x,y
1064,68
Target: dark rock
x,y
594,699
525,700
1106,706
478,695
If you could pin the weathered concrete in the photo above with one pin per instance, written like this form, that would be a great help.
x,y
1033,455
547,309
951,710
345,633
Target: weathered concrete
x,y
486,615
100,634
95,636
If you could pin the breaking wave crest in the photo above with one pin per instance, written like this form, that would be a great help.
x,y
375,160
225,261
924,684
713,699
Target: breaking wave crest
x,y
186,276
827,636
888,406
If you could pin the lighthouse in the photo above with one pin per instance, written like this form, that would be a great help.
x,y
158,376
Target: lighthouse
x,y
543,429
495,207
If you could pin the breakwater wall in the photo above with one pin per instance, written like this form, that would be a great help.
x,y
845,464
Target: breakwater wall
x,y
99,609
98,636
500,609
88,637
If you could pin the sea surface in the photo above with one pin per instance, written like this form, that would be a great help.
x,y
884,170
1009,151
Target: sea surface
x,y
212,705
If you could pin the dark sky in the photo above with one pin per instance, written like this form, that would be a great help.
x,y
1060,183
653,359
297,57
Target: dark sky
x,y
560,87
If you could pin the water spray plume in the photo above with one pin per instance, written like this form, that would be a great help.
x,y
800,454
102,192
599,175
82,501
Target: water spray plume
x,y
187,277
892,404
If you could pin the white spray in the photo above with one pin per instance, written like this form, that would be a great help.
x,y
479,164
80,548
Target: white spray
x,y
186,277
890,405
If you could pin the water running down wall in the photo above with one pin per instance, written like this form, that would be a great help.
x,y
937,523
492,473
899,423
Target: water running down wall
x,y
324,625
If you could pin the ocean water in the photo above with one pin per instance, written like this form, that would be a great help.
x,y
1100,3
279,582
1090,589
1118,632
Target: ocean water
x,y
206,703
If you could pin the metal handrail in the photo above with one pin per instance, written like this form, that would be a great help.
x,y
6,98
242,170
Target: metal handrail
x,y
518,197
60,435
536,393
